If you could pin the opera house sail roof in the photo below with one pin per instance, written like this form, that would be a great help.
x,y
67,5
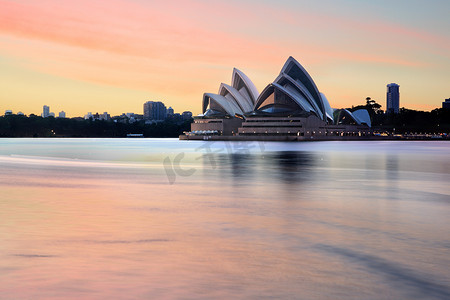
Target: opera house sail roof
x,y
244,85
304,83
358,117
293,93
239,98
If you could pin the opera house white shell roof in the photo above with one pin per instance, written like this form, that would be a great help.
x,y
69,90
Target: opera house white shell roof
x,y
360,116
292,92
238,98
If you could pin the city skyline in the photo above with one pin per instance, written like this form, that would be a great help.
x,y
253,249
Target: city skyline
x,y
91,55
62,114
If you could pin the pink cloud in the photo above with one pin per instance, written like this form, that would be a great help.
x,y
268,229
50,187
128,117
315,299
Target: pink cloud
x,y
125,28
175,31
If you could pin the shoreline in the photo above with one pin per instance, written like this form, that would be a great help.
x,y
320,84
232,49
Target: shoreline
x,y
259,138
308,138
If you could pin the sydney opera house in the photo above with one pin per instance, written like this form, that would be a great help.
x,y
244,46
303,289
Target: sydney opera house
x,y
291,106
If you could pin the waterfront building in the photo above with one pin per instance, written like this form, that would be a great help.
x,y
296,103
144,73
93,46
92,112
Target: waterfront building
x,y
446,103
45,111
154,111
393,98
290,106
62,115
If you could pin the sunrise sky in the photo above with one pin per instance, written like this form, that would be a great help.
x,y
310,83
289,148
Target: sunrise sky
x,y
113,55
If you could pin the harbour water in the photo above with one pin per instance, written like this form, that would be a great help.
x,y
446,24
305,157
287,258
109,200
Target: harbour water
x,y
169,219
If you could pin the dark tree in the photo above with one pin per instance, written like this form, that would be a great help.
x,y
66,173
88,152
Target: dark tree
x,y
373,106
36,126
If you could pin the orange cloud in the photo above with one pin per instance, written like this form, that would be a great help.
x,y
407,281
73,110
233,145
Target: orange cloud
x,y
124,28
169,31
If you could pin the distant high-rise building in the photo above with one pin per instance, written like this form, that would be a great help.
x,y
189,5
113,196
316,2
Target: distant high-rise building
x,y
8,112
88,116
186,115
170,111
52,114
62,114
46,111
393,98
154,111
446,103
105,116
20,113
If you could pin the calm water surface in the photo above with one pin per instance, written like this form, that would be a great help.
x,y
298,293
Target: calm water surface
x,y
169,219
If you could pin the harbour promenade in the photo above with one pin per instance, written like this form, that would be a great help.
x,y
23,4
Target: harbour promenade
x,y
280,138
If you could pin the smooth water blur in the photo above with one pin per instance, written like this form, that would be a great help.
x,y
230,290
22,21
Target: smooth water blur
x,y
169,219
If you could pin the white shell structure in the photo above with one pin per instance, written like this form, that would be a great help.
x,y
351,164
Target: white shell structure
x,y
295,79
292,93
296,71
232,94
238,98
218,103
244,85
328,109
300,90
362,116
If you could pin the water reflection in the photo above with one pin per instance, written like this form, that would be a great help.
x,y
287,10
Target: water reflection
x,y
392,166
286,167
297,220
243,166
291,167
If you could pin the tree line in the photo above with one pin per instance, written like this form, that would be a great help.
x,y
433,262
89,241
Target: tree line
x,y
407,120
36,126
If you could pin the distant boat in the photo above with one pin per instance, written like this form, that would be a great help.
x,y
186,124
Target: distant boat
x,y
135,135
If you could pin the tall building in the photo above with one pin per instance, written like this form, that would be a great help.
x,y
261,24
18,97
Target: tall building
x,y
46,111
170,111
154,111
8,112
393,98
62,114
446,103
105,116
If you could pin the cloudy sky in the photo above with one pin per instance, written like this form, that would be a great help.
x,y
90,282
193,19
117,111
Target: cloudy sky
x,y
113,55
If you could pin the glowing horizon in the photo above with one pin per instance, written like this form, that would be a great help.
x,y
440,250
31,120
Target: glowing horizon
x,y
115,55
